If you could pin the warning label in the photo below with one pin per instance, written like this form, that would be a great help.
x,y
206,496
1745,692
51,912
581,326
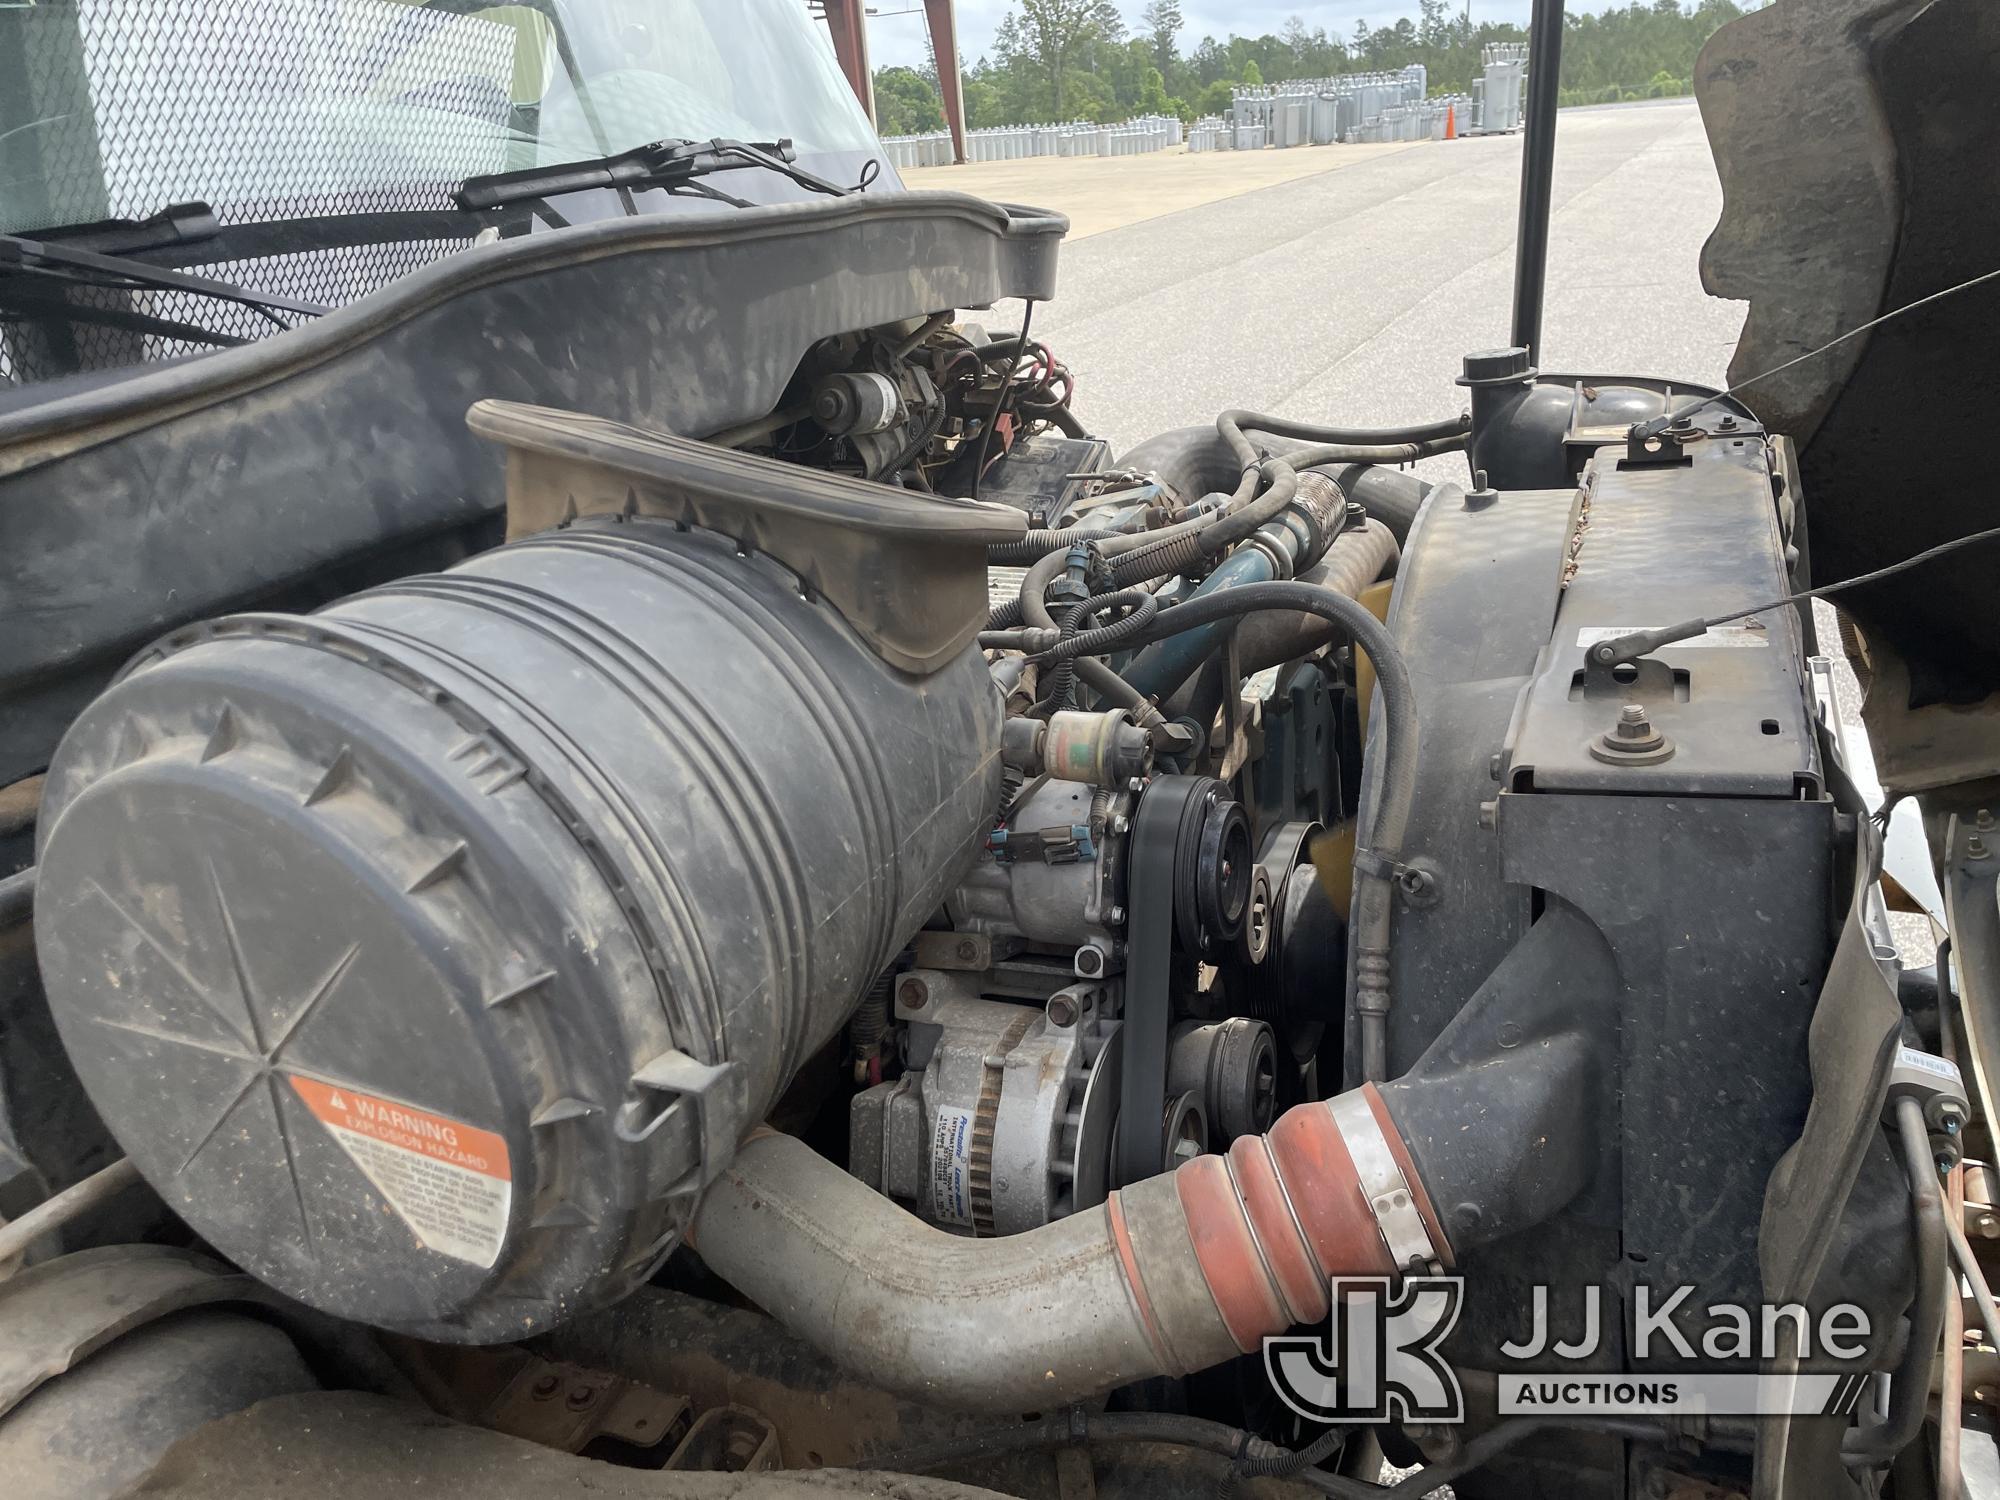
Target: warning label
x,y
951,1162
450,1181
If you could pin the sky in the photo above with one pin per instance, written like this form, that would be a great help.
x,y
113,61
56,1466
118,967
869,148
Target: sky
x,y
899,38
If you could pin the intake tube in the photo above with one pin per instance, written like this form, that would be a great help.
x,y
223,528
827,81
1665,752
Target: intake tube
x,y
1168,1276
1496,1126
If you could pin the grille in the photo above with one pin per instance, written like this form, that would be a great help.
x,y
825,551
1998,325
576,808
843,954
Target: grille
x,y
274,110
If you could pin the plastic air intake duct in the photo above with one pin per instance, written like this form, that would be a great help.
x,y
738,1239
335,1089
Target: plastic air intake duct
x,y
430,953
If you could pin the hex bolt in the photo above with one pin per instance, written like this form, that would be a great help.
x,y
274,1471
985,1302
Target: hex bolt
x,y
545,1387
1062,1010
1116,916
968,950
915,994
1975,847
1983,820
1089,962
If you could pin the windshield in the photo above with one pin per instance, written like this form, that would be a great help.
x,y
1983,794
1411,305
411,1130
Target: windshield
x,y
327,137
268,109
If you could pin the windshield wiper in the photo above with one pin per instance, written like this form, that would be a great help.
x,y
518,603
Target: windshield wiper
x,y
52,260
659,164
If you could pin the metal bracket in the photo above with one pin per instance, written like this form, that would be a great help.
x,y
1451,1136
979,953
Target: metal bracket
x,y
711,1091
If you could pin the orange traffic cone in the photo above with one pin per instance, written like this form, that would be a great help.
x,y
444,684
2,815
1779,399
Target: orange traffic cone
x,y
1451,122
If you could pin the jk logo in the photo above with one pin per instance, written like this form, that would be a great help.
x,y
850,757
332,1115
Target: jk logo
x,y
1379,1360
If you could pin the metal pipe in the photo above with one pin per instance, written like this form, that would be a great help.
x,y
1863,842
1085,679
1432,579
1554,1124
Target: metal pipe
x,y
1975,1277
1538,155
18,1237
1171,1275
1909,1393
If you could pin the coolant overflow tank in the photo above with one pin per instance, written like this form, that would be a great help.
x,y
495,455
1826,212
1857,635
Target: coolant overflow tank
x,y
430,952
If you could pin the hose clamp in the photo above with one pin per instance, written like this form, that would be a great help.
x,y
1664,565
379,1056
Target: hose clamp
x,y
1281,562
1383,1184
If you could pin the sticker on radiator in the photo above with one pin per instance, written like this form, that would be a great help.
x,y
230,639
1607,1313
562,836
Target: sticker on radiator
x,y
451,1182
1747,636
951,1165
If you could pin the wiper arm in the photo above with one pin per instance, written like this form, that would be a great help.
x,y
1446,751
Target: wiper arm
x,y
20,255
666,164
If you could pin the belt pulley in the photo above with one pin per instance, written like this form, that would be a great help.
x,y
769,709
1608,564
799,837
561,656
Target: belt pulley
x,y
1188,889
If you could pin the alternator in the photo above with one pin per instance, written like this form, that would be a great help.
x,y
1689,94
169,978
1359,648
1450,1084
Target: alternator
x,y
1003,1117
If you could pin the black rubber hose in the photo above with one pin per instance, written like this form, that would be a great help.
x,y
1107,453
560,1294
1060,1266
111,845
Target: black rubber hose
x,y
1316,454
1375,860
1004,616
1353,561
1193,461
1345,444
1163,559
1057,414
1074,643
1444,428
1060,689
1909,1391
1104,638
1037,545
1167,555
1094,674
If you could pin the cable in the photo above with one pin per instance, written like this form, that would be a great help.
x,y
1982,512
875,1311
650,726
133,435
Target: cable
x,y
1000,401
1660,424
1637,643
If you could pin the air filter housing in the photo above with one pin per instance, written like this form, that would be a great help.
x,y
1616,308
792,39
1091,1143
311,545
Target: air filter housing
x,y
428,954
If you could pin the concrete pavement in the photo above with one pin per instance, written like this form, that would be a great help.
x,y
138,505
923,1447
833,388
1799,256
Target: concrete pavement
x,y
1348,293
1110,192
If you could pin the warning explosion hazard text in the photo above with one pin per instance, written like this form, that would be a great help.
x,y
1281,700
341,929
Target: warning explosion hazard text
x,y
451,1182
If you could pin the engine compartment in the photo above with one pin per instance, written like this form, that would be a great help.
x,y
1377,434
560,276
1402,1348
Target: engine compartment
x,y
1040,949
688,890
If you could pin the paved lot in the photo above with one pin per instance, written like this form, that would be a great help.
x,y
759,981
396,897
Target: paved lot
x,y
1348,294
1105,193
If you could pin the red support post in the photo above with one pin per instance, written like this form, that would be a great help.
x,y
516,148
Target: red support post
x,y
848,22
943,18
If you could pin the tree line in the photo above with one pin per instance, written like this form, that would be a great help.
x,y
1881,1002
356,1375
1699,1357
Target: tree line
x,y
1057,60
